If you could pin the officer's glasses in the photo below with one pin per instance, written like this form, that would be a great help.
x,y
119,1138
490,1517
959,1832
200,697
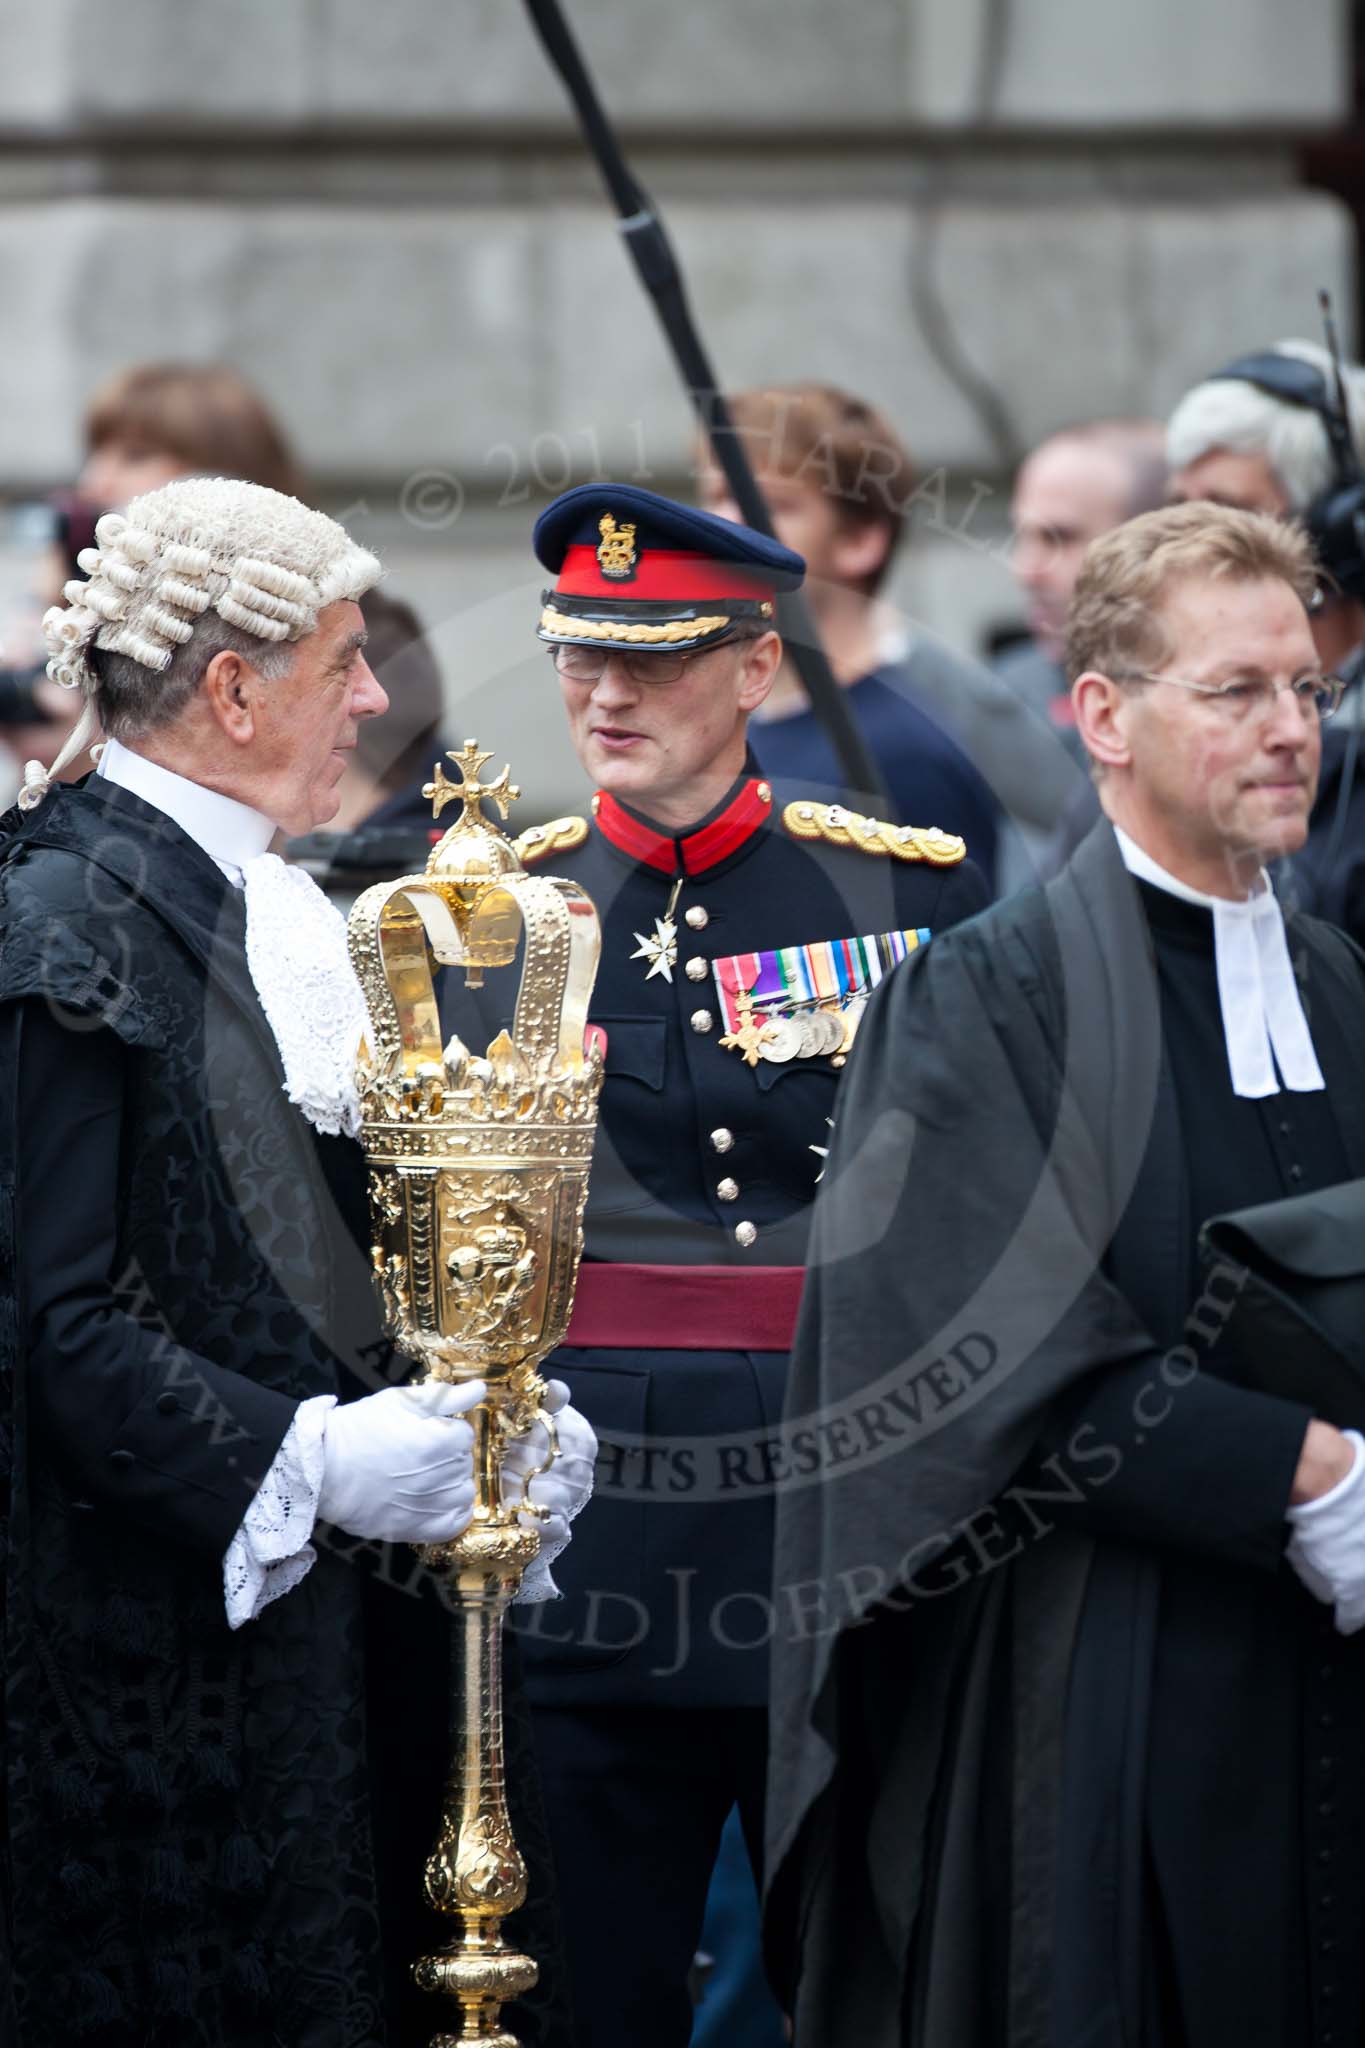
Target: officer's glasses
x,y
587,664
1248,703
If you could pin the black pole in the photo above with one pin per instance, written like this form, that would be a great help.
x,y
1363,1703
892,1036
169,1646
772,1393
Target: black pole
x,y
653,257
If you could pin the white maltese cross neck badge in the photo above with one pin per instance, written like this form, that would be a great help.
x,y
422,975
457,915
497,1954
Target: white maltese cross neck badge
x,y
660,949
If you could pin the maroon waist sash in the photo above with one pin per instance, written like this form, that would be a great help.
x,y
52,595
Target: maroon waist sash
x,y
685,1308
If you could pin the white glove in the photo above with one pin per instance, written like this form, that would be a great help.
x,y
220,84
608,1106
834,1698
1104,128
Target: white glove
x,y
1327,1548
398,1466
564,1489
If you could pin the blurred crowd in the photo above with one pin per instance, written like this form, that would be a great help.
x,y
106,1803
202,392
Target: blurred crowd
x,y
979,743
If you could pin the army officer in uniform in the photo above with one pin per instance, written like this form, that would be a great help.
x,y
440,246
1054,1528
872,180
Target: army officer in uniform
x,y
743,927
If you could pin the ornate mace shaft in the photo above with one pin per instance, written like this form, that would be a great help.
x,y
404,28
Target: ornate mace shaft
x,y
478,1177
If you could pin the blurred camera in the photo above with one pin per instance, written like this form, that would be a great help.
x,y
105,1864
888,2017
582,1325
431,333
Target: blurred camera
x,y
19,703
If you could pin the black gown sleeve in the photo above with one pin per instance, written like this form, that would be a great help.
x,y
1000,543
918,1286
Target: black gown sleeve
x,y
135,1423
1193,1464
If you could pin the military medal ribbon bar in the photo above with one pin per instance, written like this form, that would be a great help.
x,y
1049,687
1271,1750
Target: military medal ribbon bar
x,y
804,1002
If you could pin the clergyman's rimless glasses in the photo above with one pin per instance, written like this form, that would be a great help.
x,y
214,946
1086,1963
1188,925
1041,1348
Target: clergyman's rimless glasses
x,y
1316,696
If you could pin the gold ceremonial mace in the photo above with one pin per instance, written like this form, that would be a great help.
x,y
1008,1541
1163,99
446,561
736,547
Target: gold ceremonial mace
x,y
478,1176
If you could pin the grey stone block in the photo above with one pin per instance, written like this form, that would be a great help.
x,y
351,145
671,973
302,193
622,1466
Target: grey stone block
x,y
35,61
767,64
1067,311
390,343
780,294
516,352
69,61
1151,63
1089,310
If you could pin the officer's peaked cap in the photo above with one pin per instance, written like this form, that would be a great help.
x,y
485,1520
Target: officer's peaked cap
x,y
636,570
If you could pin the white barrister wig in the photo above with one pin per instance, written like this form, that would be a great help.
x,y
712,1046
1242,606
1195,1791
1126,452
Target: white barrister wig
x,y
264,562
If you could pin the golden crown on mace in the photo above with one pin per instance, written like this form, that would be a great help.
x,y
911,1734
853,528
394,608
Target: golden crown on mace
x,y
478,1175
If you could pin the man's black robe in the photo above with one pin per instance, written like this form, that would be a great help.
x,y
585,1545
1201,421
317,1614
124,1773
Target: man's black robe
x,y
208,1838
1070,1778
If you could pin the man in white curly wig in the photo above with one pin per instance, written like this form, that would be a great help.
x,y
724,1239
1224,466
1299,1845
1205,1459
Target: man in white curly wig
x,y
216,616
206,1831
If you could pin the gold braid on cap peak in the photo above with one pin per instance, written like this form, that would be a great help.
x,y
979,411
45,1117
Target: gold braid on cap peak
x,y
639,635
561,835
838,827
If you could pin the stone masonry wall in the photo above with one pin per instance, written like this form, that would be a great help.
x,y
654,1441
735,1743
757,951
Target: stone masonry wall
x,y
384,217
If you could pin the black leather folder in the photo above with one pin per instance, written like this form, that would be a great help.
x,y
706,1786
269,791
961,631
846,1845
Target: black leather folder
x,y
1294,1272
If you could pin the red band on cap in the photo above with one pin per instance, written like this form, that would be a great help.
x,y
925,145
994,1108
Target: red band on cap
x,y
662,576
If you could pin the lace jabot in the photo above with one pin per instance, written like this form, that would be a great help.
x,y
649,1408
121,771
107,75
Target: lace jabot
x,y
296,950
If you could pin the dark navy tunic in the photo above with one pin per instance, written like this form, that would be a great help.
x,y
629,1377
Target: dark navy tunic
x,y
701,1160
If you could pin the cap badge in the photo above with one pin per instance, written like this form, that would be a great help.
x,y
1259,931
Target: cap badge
x,y
617,553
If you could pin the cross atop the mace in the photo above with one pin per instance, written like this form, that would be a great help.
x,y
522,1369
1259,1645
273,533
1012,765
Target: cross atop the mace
x,y
470,791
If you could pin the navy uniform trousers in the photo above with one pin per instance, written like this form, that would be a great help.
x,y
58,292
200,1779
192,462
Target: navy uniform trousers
x,y
648,1680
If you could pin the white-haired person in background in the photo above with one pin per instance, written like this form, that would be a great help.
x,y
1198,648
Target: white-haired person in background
x,y
1257,436
1254,436
224,1731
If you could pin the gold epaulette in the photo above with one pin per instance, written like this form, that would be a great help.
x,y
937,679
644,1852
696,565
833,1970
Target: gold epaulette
x,y
561,835
839,827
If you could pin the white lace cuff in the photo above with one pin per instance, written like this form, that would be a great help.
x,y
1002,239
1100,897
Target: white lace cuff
x,y
271,1552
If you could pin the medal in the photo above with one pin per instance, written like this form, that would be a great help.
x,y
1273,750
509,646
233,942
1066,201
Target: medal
x,y
745,1036
661,947
851,1018
811,1035
801,1002
781,1040
829,1025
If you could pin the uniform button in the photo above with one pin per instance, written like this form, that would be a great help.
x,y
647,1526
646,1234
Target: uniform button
x,y
1327,1901
696,917
1327,1948
166,1404
765,794
722,1140
1327,1720
120,1458
1296,1173
1286,1128
728,1190
701,1020
745,1233
695,970
1324,1856
1327,1807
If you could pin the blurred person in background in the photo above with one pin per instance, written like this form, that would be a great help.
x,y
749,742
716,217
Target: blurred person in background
x,y
1076,485
1257,435
145,426
1254,435
154,423
952,744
